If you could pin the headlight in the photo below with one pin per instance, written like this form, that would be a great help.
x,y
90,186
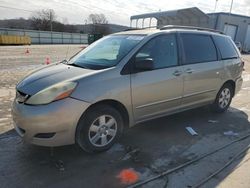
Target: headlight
x,y
52,93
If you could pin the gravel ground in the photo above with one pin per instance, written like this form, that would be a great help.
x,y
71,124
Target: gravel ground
x,y
15,63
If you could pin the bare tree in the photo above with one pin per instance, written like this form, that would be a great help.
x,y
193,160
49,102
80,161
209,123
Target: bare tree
x,y
97,19
98,24
43,19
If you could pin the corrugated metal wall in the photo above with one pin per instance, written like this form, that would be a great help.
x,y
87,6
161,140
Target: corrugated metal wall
x,y
47,37
221,21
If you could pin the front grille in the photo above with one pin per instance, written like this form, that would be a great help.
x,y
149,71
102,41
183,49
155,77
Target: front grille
x,y
21,97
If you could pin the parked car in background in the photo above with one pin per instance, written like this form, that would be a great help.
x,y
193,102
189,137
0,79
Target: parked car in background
x,y
124,79
239,46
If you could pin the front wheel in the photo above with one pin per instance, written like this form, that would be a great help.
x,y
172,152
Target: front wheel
x,y
223,99
99,129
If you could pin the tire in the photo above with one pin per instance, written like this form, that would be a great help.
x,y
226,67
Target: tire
x,y
99,129
223,99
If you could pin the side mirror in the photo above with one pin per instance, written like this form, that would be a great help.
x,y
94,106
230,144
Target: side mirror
x,y
144,64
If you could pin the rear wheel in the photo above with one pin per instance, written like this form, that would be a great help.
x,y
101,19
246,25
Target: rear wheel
x,y
223,99
99,129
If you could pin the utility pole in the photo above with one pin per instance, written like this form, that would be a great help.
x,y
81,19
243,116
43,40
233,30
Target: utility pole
x,y
231,7
214,17
229,14
215,6
51,27
50,18
84,29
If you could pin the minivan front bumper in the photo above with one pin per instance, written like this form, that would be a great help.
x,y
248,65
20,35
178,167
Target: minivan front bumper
x,y
52,124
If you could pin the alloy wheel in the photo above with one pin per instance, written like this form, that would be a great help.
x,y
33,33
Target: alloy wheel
x,y
224,98
102,131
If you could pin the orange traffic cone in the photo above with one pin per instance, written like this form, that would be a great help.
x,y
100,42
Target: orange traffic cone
x,y
47,61
27,51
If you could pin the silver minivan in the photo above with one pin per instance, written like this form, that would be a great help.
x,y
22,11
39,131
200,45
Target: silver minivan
x,y
124,79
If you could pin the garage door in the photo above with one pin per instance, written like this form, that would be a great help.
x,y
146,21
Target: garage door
x,y
247,40
230,30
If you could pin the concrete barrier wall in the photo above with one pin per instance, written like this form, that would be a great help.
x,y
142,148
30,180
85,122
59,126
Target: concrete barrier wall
x,y
47,37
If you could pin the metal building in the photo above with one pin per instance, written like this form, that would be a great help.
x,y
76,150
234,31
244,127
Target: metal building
x,y
188,17
236,26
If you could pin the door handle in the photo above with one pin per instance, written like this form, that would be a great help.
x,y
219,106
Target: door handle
x,y
177,73
189,71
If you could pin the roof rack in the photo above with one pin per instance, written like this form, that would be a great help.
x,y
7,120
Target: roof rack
x,y
189,27
131,29
134,28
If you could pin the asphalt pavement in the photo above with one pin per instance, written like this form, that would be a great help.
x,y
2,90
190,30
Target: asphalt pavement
x,y
145,151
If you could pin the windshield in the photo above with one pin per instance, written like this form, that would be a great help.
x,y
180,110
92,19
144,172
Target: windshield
x,y
106,52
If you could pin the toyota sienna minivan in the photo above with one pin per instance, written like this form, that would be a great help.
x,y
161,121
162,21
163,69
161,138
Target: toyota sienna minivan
x,y
124,79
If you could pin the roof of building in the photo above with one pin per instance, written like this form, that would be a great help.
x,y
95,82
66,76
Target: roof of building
x,y
227,13
187,13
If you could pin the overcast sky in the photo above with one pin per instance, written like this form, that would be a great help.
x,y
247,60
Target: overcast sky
x,y
116,11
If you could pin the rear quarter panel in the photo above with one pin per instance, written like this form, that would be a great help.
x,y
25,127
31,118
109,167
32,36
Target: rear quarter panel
x,y
233,69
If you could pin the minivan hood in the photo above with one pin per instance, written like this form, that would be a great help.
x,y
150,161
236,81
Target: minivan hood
x,y
50,75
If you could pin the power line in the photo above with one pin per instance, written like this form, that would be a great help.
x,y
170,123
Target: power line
x,y
74,4
70,3
91,7
25,10
20,9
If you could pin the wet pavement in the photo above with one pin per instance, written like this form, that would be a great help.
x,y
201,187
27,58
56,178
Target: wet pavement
x,y
145,150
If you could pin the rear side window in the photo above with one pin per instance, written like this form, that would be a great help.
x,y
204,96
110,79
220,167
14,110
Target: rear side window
x,y
198,48
226,47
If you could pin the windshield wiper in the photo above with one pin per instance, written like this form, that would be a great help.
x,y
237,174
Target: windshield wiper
x,y
74,55
65,61
76,65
